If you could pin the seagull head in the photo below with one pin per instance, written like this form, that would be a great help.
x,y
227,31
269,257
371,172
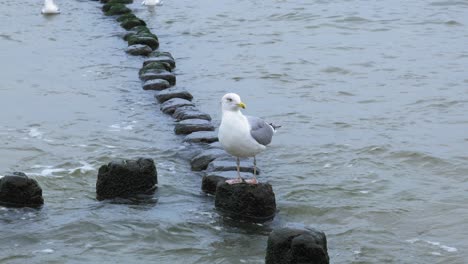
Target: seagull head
x,y
232,102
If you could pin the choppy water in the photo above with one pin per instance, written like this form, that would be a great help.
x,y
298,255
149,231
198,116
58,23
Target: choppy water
x,y
372,97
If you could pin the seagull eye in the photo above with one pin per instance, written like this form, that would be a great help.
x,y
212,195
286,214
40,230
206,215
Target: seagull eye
x,y
229,99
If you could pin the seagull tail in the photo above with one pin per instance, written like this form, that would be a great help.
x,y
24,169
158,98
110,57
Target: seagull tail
x,y
274,127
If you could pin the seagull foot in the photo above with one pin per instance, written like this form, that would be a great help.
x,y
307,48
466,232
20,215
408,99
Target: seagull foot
x,y
251,181
235,181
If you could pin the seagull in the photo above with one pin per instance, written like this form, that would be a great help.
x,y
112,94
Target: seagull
x,y
152,2
242,136
50,8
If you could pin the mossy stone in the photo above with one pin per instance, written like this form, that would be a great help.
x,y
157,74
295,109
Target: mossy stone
x,y
118,1
130,23
144,39
126,17
155,67
117,9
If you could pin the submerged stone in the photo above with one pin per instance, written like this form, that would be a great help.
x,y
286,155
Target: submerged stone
x,y
168,94
18,190
155,67
202,137
126,178
156,84
292,245
250,202
190,112
169,106
138,50
192,125
201,161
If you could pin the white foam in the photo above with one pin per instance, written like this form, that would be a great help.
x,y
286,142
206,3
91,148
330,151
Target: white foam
x,y
47,250
35,133
432,243
50,172
328,165
85,168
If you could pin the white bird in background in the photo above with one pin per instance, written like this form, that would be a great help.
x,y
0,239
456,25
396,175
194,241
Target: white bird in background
x,y
152,2
50,8
242,136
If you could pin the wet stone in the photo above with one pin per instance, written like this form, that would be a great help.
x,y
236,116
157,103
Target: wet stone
x,y
249,202
117,1
168,94
190,112
138,50
155,67
145,39
156,84
170,77
126,178
130,23
292,245
211,182
116,9
192,125
171,105
126,17
201,161
202,137
222,164
18,190
165,59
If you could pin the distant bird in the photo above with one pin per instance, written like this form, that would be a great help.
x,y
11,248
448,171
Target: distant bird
x,y
242,136
152,2
50,8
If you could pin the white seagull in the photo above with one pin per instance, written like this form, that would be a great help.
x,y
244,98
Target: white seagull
x,y
50,8
152,2
242,136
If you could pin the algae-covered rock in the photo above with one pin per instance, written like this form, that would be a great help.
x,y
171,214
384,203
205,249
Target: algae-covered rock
x,y
138,50
156,84
144,39
115,9
126,17
130,23
155,67
17,190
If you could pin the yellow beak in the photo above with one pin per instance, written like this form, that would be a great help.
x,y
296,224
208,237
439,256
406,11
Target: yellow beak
x,y
241,105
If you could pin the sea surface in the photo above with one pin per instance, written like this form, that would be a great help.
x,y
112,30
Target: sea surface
x,y
372,97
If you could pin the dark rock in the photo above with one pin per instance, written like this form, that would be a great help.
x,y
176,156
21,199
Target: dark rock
x,y
171,105
190,112
145,39
210,183
156,84
116,9
126,178
165,59
17,190
230,165
126,17
251,202
201,161
138,50
192,125
170,77
202,137
142,30
130,23
291,246
168,94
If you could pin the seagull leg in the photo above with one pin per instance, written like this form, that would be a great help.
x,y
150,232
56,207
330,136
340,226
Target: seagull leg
x,y
254,180
239,178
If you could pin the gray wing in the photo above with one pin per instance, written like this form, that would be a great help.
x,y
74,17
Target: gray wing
x,y
261,131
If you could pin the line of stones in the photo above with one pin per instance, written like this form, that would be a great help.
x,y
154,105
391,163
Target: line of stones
x,y
126,178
